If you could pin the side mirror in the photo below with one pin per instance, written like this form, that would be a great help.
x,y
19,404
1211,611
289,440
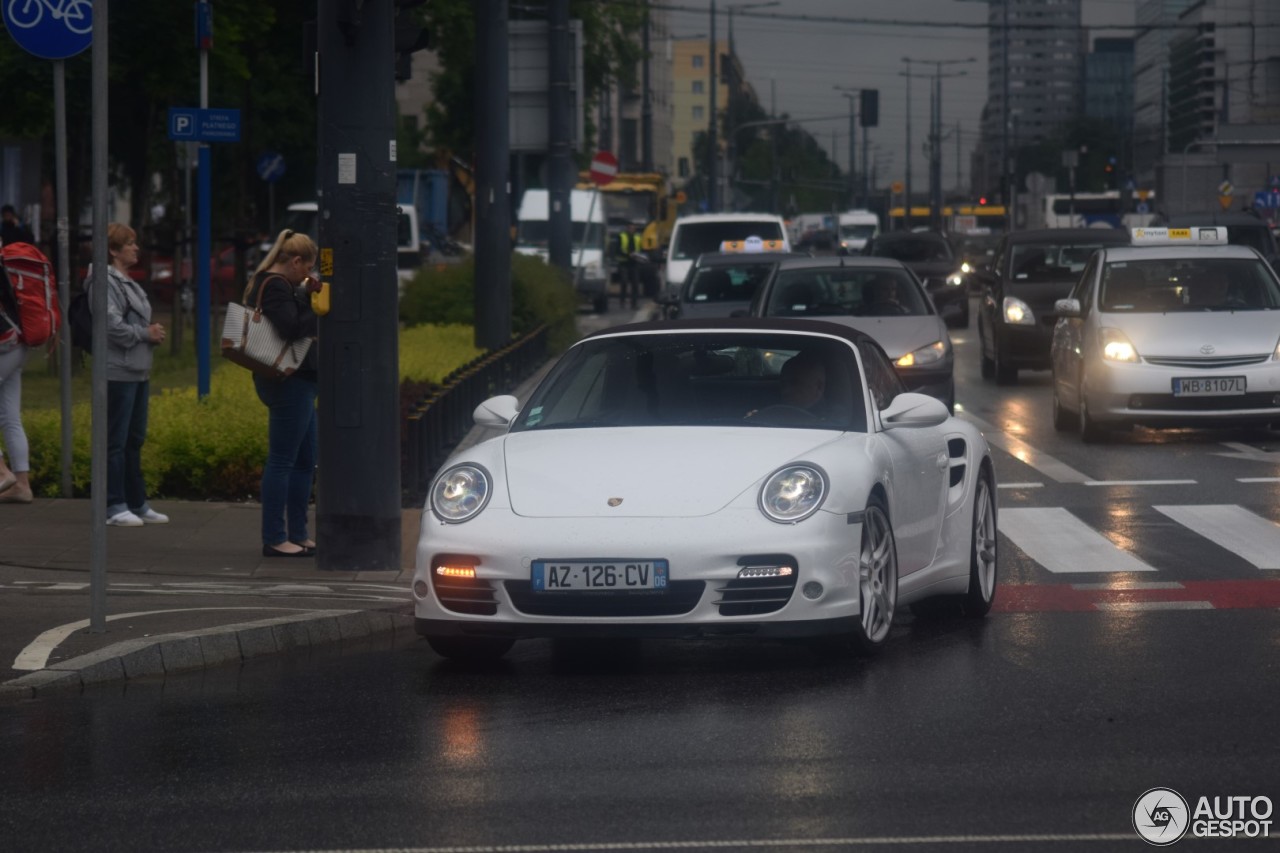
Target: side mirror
x,y
668,297
912,410
740,312
497,411
1067,307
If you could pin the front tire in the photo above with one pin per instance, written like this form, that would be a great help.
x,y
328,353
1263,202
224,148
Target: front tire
x,y
877,579
1061,418
1090,431
471,649
983,550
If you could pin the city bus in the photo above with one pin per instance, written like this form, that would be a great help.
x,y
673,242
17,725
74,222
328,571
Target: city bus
x,y
1098,210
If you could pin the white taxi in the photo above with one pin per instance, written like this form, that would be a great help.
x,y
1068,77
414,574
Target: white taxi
x,y
1178,329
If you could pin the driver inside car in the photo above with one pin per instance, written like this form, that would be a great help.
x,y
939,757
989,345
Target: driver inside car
x,y
802,388
880,296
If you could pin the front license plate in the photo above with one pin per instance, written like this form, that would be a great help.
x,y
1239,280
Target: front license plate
x,y
1209,386
583,575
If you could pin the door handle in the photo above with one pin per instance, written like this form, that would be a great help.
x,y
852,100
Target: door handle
x,y
941,461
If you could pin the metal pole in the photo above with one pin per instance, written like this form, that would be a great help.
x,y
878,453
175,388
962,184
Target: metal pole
x,y
906,202
866,179
714,155
493,207
646,104
773,146
98,457
1005,118
559,162
853,172
203,250
64,265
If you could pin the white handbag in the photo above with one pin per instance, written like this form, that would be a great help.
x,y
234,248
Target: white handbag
x,y
250,340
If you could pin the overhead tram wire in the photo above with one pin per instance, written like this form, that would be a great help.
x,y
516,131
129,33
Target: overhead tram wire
x,y
965,25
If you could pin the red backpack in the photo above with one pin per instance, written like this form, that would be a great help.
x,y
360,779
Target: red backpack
x,y
35,290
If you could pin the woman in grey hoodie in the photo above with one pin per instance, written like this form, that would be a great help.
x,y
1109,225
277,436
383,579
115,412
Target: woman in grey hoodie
x,y
131,339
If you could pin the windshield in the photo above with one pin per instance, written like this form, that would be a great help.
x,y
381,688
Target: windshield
x,y
536,232
857,232
726,283
734,378
846,291
694,238
913,251
1168,285
623,207
1035,263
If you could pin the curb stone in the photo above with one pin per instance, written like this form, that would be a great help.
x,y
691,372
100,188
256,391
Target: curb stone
x,y
190,650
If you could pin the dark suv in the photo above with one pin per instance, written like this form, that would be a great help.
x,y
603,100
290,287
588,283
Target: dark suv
x,y
1243,229
1032,270
931,258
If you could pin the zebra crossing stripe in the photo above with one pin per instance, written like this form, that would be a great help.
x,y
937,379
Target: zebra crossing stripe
x,y
1248,536
1191,595
1064,544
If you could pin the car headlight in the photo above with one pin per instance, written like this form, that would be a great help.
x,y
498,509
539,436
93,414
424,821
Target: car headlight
x,y
460,493
592,269
965,267
955,279
1018,313
1116,346
1275,353
935,351
793,493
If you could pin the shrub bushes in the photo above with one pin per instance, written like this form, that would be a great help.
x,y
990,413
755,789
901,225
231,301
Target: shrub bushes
x,y
540,293
214,449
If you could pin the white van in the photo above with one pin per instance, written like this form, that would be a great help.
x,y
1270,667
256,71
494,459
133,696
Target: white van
x,y
857,228
533,234
304,216
704,232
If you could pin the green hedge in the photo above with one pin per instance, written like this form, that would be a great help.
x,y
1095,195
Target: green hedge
x,y
445,293
214,449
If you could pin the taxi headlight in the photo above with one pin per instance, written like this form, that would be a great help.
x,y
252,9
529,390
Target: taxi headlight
x,y
460,493
1018,313
793,493
1275,353
955,279
935,351
1116,346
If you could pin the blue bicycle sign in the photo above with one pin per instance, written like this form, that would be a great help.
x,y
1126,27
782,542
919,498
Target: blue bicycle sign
x,y
50,29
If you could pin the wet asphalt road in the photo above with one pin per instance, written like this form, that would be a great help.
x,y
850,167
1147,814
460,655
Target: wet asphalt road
x,y
1026,724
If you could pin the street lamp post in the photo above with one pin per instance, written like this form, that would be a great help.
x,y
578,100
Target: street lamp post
x,y
731,117
713,176
935,131
851,93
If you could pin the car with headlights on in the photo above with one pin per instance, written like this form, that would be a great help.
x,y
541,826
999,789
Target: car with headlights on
x,y
929,255
765,510
1031,272
1180,329
878,296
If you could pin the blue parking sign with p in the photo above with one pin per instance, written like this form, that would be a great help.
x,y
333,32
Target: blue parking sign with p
x,y
182,124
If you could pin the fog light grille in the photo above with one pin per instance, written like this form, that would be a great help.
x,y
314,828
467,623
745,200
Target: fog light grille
x,y
764,584
459,593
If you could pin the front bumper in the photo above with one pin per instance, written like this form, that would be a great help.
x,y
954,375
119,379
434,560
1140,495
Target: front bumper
x,y
1143,394
1026,346
704,595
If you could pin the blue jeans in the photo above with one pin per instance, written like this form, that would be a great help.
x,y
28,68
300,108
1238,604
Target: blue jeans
x,y
291,457
126,431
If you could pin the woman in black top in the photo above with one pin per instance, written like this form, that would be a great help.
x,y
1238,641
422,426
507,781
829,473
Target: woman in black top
x,y
284,277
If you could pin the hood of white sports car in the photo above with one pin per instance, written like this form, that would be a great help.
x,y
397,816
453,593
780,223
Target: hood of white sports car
x,y
674,472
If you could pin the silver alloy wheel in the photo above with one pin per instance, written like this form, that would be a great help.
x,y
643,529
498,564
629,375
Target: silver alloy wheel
x,y
877,575
984,540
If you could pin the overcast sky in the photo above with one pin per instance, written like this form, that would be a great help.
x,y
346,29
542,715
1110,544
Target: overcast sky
x,y
806,59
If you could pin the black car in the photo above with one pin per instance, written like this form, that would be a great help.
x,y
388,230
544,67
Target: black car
x,y
928,255
1032,271
720,284
976,253
1244,228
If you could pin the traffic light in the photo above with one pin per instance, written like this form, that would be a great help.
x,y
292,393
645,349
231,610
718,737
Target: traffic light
x,y
870,107
982,201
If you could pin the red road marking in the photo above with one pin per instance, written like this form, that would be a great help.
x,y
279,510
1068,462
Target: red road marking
x,y
1222,595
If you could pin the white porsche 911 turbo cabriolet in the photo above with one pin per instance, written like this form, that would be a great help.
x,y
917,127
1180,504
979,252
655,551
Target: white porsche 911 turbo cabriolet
x,y
741,476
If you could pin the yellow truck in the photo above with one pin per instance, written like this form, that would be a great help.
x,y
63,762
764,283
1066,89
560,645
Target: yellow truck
x,y
644,198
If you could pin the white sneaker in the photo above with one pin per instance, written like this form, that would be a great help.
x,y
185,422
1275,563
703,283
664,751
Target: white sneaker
x,y
124,519
153,517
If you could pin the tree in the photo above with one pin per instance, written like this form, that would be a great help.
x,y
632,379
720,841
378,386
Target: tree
x,y
610,53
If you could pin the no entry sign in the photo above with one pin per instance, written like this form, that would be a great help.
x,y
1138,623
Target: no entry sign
x,y
604,168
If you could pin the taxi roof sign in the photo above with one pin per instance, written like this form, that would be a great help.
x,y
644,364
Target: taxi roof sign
x,y
752,244
1198,235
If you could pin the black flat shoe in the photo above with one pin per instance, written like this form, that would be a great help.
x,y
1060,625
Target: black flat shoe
x,y
272,551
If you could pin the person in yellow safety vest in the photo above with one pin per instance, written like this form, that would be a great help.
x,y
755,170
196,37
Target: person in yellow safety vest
x,y
628,267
